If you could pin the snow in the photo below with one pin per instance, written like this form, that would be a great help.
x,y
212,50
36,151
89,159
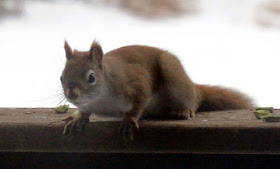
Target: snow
x,y
219,46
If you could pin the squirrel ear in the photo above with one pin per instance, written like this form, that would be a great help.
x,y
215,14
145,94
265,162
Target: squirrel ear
x,y
68,50
96,53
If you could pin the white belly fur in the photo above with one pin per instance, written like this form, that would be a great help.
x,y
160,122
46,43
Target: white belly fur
x,y
108,106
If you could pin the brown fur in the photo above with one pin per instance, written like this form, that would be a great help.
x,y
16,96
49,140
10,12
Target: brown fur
x,y
215,98
151,80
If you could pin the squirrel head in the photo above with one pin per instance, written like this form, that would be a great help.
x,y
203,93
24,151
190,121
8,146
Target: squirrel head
x,y
83,76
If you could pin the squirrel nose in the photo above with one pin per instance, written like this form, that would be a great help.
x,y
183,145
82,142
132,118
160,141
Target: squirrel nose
x,y
72,95
72,92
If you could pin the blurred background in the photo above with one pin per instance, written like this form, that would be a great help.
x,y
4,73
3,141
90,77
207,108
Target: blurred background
x,y
233,43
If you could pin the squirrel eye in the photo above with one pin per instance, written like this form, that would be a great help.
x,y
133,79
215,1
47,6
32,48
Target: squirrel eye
x,y
61,78
91,78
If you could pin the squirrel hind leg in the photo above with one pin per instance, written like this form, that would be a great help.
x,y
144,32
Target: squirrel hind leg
x,y
181,115
180,93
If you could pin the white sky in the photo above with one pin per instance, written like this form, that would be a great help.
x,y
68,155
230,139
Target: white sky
x,y
219,46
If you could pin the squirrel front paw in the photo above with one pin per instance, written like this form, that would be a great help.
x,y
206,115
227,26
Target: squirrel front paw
x,y
127,130
75,124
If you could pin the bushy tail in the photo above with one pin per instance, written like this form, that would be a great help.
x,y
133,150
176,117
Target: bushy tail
x,y
214,98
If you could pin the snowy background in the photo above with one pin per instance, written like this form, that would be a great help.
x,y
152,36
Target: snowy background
x,y
222,44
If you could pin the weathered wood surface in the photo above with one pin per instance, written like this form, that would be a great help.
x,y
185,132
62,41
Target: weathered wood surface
x,y
40,130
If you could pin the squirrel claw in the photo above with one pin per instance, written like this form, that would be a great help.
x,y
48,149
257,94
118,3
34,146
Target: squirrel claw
x,y
186,114
127,130
74,125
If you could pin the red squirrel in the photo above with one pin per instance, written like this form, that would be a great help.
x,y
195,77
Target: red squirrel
x,y
137,81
